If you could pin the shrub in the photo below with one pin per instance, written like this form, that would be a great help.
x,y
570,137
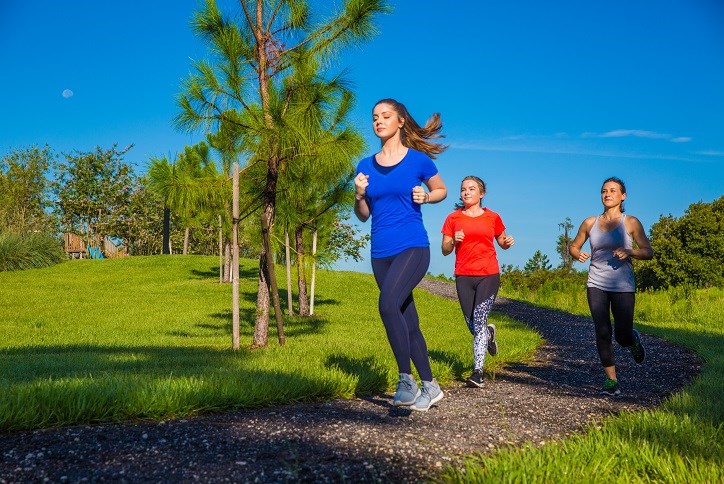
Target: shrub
x,y
18,252
513,279
688,251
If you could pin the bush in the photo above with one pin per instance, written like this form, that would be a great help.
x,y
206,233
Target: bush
x,y
18,252
542,280
688,251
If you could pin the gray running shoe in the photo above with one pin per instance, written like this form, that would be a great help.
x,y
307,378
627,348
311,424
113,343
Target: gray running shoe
x,y
406,392
492,344
431,394
637,348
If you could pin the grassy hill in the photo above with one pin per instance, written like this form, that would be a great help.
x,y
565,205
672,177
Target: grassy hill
x,y
150,337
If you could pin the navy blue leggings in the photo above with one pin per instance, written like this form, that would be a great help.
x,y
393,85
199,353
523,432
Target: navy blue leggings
x,y
396,277
602,304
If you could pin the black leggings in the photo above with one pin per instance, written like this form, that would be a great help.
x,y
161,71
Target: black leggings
x,y
396,277
602,304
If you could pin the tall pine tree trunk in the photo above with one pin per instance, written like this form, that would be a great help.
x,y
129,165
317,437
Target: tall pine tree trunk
x,y
261,326
227,261
221,252
166,243
268,278
314,270
301,276
187,235
235,261
272,171
288,263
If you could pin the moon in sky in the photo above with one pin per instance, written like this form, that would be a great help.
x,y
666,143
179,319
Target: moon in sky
x,y
67,93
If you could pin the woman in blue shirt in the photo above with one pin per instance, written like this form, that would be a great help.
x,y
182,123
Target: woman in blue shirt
x,y
388,189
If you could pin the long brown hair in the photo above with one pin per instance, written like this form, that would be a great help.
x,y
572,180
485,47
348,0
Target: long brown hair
x,y
481,187
415,136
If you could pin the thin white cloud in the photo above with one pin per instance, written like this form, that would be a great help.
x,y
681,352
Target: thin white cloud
x,y
637,133
567,150
710,153
67,93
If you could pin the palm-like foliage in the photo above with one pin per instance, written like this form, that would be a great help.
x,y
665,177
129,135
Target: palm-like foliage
x,y
191,186
317,150
319,153
234,93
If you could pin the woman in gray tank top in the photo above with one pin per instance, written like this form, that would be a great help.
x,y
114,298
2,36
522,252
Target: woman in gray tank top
x,y
615,239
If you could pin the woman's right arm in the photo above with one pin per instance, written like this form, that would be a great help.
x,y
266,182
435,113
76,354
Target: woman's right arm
x,y
448,245
581,237
361,208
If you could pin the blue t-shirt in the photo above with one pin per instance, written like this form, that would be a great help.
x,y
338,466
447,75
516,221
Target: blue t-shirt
x,y
396,219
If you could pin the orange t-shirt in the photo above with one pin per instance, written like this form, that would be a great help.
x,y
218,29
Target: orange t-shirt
x,y
475,255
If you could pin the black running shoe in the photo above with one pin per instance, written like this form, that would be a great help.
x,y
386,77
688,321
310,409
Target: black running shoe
x,y
476,379
492,344
610,388
637,349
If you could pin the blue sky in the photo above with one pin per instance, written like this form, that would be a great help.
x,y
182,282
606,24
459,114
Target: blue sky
x,y
543,100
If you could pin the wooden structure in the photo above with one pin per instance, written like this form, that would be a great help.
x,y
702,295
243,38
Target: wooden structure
x,y
74,246
112,251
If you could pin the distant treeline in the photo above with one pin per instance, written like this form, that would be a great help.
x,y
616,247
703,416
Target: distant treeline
x,y
688,251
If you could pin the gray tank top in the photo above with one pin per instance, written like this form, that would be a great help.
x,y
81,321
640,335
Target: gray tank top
x,y
607,272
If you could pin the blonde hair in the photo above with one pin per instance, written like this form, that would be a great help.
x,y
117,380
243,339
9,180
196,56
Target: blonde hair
x,y
415,136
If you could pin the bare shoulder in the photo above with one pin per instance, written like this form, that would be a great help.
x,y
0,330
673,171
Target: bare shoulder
x,y
588,223
632,222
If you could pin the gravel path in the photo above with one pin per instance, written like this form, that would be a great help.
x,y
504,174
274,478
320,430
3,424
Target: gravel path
x,y
365,439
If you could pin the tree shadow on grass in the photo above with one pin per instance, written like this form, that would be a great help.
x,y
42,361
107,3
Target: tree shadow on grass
x,y
371,375
250,297
293,325
322,301
298,326
30,363
208,274
213,273
454,362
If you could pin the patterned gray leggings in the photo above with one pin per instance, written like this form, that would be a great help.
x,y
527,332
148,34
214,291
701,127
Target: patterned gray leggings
x,y
479,329
476,296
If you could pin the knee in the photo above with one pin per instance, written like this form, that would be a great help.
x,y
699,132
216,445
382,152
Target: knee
x,y
388,308
624,340
603,334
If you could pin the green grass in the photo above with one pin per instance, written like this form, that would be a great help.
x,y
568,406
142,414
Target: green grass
x,y
29,251
683,441
150,338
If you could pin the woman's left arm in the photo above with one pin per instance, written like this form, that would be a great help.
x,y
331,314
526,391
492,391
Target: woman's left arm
x,y
643,251
437,190
505,241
